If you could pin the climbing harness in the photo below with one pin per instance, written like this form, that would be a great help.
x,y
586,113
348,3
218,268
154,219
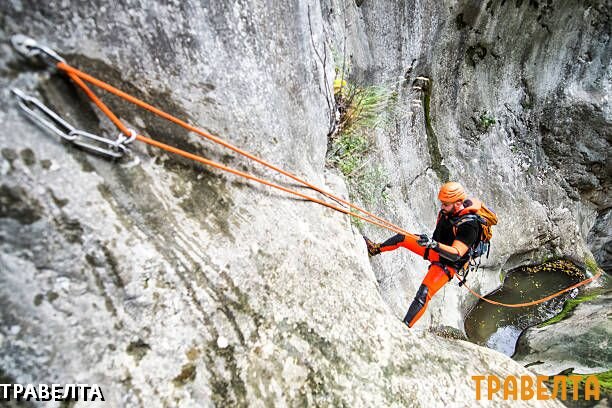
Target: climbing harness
x,y
474,260
486,219
444,268
45,117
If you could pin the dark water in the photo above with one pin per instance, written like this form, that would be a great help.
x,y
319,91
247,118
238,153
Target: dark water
x,y
499,327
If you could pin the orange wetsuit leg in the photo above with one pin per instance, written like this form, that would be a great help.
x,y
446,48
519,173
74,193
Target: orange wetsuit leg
x,y
434,280
410,243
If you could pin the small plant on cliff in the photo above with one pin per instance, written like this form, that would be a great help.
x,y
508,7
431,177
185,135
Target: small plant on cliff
x,y
359,108
349,154
359,111
485,121
357,222
372,184
591,264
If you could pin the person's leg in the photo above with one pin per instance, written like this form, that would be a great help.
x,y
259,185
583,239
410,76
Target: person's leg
x,y
410,243
436,278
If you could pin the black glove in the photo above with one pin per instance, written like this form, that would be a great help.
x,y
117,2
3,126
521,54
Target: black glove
x,y
424,241
373,248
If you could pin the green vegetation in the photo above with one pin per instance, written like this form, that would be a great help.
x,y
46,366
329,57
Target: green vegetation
x,y
485,121
605,381
361,110
349,152
357,222
591,264
568,308
366,181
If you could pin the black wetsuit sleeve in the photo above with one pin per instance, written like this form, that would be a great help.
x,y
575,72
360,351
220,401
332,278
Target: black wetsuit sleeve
x,y
467,233
436,234
393,241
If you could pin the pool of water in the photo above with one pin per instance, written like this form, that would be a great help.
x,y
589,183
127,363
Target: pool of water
x,y
499,327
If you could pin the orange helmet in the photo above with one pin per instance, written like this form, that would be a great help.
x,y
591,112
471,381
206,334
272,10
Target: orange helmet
x,y
452,192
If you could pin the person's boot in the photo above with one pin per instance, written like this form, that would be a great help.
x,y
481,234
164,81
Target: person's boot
x,y
373,248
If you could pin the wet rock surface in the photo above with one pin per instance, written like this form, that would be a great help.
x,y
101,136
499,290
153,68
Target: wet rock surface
x,y
581,342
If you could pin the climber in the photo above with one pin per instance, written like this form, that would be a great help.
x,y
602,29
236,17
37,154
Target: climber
x,y
447,250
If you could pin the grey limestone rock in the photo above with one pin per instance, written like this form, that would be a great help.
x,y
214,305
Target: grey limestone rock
x,y
171,284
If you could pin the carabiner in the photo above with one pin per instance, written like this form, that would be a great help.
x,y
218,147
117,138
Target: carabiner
x,y
29,48
98,144
45,117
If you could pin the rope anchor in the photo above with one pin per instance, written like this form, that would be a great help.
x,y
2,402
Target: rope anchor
x,y
29,48
46,118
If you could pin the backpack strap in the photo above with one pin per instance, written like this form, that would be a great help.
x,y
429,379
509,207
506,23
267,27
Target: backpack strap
x,y
465,218
462,219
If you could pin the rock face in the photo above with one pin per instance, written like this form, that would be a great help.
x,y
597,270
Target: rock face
x,y
581,343
170,284
542,165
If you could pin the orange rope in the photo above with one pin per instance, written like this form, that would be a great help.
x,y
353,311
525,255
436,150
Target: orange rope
x,y
259,180
219,166
73,71
79,76
100,104
535,302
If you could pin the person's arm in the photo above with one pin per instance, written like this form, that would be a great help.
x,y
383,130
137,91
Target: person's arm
x,y
467,233
452,252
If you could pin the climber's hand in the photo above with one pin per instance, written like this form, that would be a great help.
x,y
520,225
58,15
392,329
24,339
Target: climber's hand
x,y
426,242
